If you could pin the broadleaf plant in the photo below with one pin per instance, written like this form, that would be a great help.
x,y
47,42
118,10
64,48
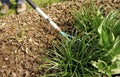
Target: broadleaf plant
x,y
109,39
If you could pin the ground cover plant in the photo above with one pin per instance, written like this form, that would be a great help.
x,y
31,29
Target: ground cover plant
x,y
95,49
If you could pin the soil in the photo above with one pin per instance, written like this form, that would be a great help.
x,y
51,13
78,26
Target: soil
x,y
25,37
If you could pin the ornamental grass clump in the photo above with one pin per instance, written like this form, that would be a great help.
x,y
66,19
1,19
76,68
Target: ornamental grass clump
x,y
95,49
72,58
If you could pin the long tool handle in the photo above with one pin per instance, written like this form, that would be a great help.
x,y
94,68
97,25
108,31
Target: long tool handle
x,y
43,14
47,18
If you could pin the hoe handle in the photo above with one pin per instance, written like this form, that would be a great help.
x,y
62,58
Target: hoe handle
x,y
47,18
43,15
31,4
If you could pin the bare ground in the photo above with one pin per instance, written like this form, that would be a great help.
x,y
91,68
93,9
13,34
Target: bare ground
x,y
24,37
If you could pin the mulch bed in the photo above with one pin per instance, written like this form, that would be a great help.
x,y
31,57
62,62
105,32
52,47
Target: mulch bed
x,y
25,37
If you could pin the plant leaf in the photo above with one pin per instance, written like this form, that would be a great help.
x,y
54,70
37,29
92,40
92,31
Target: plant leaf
x,y
103,37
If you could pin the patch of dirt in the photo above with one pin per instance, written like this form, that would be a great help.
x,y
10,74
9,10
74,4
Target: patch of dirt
x,y
24,37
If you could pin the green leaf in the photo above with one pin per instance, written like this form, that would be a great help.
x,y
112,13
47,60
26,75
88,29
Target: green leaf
x,y
116,27
102,67
115,50
111,37
116,47
103,37
115,66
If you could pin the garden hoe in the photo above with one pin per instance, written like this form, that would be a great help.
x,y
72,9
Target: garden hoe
x,y
67,36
